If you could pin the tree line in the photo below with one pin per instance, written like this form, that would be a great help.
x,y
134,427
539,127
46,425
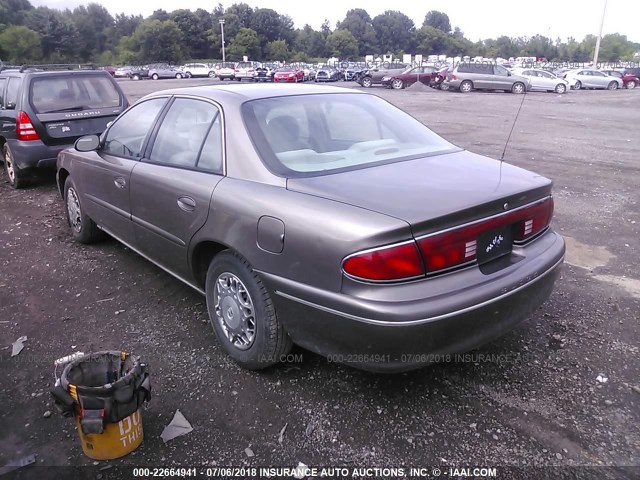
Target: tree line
x,y
91,34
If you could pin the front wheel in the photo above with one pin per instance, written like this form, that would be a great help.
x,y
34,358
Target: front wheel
x,y
178,76
212,74
631,85
561,88
367,82
155,76
518,88
397,84
136,77
83,229
16,176
613,86
242,313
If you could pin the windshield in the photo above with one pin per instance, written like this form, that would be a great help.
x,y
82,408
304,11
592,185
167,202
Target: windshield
x,y
77,92
285,69
306,135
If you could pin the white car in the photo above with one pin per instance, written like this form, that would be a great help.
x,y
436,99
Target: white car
x,y
225,71
590,78
198,70
543,81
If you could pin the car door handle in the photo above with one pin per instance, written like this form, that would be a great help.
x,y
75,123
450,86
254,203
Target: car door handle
x,y
120,182
187,204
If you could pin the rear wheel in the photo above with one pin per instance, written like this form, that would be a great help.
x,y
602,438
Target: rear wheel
x,y
136,77
631,85
578,85
466,86
613,86
518,88
397,84
83,229
17,177
242,313
561,88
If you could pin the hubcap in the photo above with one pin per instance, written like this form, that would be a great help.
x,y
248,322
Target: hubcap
x,y
517,88
8,161
234,310
466,87
73,208
631,85
397,84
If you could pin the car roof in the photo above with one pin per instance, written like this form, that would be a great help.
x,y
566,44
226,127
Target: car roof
x,y
243,93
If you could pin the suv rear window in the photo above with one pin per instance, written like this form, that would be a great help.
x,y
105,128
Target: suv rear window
x,y
71,93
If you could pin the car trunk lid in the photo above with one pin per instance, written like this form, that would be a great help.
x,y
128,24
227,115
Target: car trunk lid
x,y
432,193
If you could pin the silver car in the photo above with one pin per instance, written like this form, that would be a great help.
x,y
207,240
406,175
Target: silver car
x,y
318,216
590,78
469,76
543,81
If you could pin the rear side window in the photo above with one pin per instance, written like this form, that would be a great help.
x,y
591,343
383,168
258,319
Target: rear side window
x,y
484,68
13,90
73,93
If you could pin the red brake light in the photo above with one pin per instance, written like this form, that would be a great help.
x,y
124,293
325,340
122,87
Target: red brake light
x,y
397,262
535,218
24,128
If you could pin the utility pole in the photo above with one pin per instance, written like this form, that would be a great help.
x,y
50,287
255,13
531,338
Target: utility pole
x,y
222,34
595,55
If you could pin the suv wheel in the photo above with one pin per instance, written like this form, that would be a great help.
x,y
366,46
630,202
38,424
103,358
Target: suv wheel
x,y
17,178
367,82
83,229
242,313
466,86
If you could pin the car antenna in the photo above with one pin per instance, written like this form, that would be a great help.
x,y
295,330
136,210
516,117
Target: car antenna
x,y
513,126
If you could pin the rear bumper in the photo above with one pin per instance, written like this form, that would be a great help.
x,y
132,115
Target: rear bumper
x,y
34,153
392,336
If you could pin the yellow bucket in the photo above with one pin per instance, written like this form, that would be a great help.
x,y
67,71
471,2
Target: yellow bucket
x,y
117,440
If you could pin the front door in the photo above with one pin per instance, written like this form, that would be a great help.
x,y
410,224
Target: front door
x,y
106,174
171,188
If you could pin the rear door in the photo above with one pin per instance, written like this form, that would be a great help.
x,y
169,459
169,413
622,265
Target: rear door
x,y
103,177
171,188
66,107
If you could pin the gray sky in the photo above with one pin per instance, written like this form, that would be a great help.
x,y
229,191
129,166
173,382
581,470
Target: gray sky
x,y
488,19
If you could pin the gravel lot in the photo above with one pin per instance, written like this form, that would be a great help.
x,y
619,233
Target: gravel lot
x,y
529,398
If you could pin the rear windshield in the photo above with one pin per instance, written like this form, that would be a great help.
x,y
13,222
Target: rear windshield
x,y
73,93
308,135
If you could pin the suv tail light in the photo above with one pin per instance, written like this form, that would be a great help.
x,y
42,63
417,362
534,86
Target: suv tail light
x,y
397,262
445,250
453,77
24,128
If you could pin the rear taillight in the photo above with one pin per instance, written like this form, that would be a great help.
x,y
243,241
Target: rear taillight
x,y
446,250
398,262
453,77
24,128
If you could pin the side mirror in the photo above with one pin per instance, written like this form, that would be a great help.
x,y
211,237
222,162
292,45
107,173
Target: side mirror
x,y
109,124
88,143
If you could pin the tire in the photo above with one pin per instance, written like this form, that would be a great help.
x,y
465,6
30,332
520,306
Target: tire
x,y
561,88
83,229
233,291
178,76
367,82
466,86
136,77
187,75
155,76
518,88
578,85
212,74
15,175
631,85
612,86
397,84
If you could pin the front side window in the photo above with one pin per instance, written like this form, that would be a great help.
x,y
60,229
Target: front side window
x,y
305,135
73,92
501,71
125,138
183,131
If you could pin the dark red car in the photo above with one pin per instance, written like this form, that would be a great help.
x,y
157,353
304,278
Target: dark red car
x,y
629,79
410,76
288,75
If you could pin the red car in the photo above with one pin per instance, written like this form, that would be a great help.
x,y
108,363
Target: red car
x,y
410,76
629,80
289,75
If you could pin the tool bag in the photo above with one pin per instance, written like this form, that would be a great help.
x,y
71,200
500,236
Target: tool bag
x,y
102,387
